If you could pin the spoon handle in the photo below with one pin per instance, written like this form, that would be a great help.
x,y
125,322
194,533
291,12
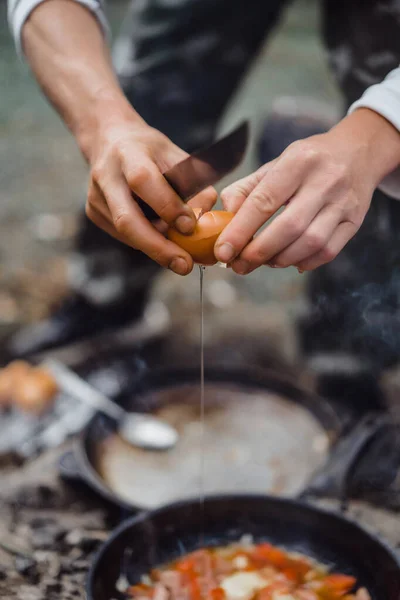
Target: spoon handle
x,y
72,384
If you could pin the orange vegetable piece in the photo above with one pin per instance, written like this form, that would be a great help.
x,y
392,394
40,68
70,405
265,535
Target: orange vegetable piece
x,y
268,554
292,574
217,594
194,589
35,391
339,583
335,586
186,565
10,376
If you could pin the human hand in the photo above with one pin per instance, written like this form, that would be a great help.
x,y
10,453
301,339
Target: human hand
x,y
71,61
325,183
131,157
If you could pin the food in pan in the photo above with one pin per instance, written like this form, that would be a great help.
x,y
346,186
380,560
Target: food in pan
x,y
30,389
36,391
10,376
246,571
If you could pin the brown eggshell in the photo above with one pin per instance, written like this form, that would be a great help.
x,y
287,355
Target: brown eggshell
x,y
10,376
200,244
35,392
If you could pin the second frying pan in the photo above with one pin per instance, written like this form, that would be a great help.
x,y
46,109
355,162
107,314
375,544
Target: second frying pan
x,y
263,434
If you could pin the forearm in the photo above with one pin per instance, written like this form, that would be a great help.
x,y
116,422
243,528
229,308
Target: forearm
x,y
67,52
370,138
384,99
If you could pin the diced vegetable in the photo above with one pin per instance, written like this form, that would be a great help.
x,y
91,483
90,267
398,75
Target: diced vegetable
x,y
246,572
335,586
217,594
265,554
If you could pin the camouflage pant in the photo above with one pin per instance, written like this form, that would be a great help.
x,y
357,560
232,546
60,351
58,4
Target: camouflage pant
x,y
179,62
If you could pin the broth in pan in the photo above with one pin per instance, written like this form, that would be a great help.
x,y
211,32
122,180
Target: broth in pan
x,y
252,440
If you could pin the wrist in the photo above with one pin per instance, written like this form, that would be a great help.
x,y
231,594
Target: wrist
x,y
109,110
372,141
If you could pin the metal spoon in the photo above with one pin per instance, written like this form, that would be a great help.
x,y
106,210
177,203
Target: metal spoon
x,y
137,429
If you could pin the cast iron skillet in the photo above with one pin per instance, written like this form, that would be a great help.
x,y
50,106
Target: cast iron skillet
x,y
80,465
159,536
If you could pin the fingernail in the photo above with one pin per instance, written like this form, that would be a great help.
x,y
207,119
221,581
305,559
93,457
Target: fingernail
x,y
179,266
225,252
241,266
185,224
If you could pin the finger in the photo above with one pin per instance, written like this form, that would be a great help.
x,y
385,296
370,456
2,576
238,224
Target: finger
x,y
235,194
342,235
276,187
97,202
286,229
316,236
149,184
98,218
205,200
132,227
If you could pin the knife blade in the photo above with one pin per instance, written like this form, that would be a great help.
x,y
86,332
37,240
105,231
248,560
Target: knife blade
x,y
208,165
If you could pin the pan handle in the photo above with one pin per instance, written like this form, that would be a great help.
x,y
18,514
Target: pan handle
x,y
68,467
334,479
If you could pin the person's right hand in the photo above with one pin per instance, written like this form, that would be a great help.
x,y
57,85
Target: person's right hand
x,y
130,156
70,58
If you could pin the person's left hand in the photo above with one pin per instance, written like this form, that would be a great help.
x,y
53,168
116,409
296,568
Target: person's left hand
x,y
325,181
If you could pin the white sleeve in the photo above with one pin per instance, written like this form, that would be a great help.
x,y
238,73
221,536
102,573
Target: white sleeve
x,y
384,98
19,11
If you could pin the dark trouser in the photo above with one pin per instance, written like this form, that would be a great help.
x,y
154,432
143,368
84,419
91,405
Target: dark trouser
x,y
179,64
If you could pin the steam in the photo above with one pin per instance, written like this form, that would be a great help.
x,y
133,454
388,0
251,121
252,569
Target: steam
x,y
362,322
378,310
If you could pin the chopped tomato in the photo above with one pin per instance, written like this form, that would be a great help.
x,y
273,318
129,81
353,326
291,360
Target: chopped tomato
x,y
265,554
292,574
201,575
217,594
301,566
186,565
265,593
335,586
194,589
296,570
340,583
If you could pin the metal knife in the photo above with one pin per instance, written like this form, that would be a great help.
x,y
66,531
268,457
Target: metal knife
x,y
205,167
208,165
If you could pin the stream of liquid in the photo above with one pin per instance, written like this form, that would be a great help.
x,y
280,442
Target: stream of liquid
x,y
202,421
